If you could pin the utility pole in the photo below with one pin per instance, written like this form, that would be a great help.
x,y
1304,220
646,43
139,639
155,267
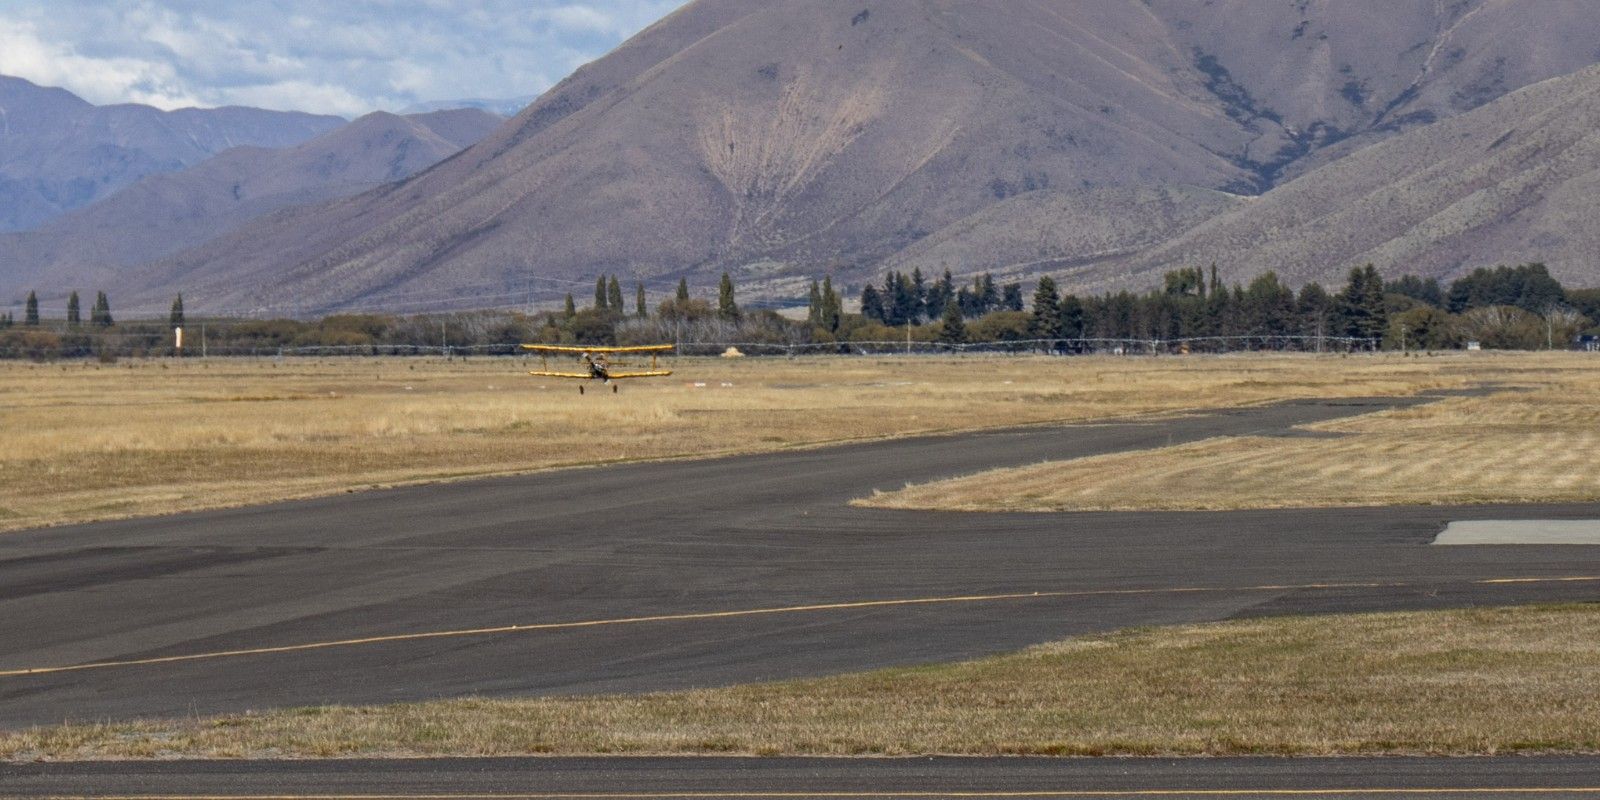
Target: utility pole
x,y
202,340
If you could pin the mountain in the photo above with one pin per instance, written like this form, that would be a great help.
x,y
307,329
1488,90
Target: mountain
x,y
167,212
504,106
779,141
58,152
1513,181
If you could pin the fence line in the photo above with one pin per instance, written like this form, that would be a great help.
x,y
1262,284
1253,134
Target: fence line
x,y
1061,346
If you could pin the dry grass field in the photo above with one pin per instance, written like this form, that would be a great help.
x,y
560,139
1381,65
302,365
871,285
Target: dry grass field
x,y
88,441
1535,442
1444,682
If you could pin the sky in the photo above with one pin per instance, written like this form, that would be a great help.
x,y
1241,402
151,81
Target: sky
x,y
345,57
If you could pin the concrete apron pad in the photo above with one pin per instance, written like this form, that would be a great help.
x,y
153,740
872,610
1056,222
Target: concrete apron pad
x,y
1522,531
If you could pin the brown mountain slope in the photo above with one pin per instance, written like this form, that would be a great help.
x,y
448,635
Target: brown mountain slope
x,y
1050,230
58,152
1516,180
780,140
165,213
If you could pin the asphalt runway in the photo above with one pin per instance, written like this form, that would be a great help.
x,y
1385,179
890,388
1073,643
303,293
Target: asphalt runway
x,y
819,778
690,573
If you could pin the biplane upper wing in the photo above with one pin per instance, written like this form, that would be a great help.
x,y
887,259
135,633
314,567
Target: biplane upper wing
x,y
579,375
558,348
651,374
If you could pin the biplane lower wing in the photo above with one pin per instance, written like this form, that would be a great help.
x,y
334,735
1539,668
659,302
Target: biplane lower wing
x,y
578,375
615,376
652,374
559,348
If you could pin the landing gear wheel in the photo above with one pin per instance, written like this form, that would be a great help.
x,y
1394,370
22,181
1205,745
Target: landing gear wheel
x,y
580,388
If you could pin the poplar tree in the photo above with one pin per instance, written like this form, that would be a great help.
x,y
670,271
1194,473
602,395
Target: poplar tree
x,y
814,304
30,312
727,308
571,309
832,306
74,317
101,313
175,318
614,297
600,293
638,302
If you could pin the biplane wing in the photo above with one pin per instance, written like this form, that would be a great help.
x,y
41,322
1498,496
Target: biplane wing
x,y
578,375
651,374
557,348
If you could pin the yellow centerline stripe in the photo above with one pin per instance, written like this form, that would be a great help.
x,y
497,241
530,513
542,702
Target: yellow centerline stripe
x,y
752,612
865,795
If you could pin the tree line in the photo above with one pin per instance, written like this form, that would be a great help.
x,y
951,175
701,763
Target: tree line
x,y
1502,307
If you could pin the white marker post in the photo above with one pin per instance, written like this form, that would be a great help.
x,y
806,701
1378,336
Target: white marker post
x,y
177,341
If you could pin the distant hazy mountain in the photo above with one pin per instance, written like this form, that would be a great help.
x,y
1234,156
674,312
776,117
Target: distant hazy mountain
x,y
505,106
164,213
58,152
780,141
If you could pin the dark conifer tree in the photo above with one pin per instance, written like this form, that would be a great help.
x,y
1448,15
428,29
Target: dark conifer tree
x,y
989,297
919,298
600,293
954,330
175,316
1011,299
872,303
1046,323
571,309
968,302
683,290
74,311
814,303
938,292
1361,306
30,311
1072,317
640,309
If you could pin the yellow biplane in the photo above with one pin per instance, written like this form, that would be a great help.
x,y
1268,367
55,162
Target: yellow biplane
x,y
597,364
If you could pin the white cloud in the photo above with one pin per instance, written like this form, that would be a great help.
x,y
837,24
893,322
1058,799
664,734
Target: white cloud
x,y
346,57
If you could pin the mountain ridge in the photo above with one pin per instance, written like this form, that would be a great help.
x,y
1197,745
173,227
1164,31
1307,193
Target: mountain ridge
x,y
779,142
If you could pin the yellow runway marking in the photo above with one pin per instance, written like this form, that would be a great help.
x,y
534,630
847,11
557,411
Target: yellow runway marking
x,y
867,795
753,612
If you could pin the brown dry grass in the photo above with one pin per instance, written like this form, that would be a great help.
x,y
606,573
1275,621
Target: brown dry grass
x,y
87,441
1451,682
1535,443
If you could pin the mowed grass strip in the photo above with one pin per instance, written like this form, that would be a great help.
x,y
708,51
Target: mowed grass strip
x,y
1532,444
1443,682
88,441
